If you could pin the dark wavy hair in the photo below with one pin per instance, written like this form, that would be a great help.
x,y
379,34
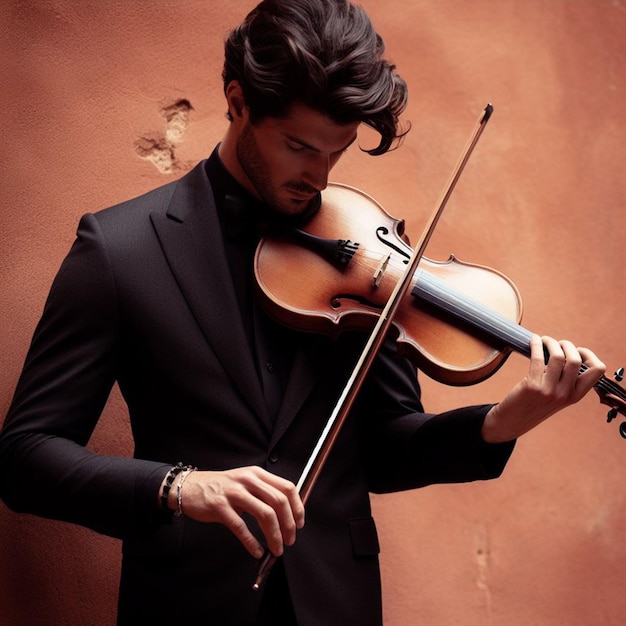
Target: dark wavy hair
x,y
322,53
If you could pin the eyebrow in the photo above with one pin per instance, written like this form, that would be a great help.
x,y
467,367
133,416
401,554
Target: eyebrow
x,y
304,144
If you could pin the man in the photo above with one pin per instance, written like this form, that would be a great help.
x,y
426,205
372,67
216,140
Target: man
x,y
158,295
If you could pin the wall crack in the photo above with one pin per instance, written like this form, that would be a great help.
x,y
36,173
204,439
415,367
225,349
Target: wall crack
x,y
482,556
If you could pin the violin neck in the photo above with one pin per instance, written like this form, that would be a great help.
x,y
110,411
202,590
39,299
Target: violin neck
x,y
494,326
500,331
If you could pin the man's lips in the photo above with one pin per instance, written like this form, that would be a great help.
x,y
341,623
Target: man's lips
x,y
300,194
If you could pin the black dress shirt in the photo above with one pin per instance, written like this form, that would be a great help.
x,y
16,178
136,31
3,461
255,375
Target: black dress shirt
x,y
244,219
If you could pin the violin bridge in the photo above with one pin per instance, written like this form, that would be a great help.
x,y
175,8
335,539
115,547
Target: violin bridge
x,y
380,270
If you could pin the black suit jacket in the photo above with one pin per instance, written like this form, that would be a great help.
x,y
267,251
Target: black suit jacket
x,y
145,298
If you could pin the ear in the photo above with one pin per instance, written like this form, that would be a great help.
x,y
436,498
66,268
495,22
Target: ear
x,y
236,101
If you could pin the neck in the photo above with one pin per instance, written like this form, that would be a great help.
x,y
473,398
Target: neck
x,y
227,151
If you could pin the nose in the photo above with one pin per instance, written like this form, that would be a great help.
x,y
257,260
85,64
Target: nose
x,y
318,171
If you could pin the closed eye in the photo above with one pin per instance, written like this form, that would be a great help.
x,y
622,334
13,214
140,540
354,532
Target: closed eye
x,y
295,147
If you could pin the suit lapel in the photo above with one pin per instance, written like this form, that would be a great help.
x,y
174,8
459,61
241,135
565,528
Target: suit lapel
x,y
190,236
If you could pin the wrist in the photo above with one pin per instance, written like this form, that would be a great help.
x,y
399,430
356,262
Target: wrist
x,y
168,490
492,431
171,490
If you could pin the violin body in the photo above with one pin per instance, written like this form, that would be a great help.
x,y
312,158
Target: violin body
x,y
304,289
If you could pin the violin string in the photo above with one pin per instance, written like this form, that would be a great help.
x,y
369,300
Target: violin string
x,y
372,260
607,384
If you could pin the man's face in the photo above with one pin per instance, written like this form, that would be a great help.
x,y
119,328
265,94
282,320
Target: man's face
x,y
287,161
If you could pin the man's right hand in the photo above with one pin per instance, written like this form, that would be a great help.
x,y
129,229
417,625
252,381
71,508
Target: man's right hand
x,y
223,496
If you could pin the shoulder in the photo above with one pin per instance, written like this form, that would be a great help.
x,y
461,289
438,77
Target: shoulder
x,y
173,196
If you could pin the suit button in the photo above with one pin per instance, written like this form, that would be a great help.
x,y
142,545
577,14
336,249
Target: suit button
x,y
274,456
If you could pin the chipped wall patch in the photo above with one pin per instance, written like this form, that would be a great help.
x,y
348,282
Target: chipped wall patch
x,y
160,147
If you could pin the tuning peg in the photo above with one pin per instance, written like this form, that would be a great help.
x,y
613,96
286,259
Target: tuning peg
x,y
622,429
619,375
611,415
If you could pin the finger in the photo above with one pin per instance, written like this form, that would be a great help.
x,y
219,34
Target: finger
x,y
286,487
573,361
592,363
537,357
286,511
239,528
268,522
594,369
553,368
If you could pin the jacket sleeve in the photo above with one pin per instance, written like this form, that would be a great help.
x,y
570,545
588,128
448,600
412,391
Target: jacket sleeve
x,y
407,448
45,468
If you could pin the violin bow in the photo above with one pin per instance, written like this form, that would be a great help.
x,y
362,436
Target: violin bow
x,y
346,400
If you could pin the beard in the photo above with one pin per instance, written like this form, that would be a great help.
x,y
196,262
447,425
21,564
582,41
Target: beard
x,y
258,173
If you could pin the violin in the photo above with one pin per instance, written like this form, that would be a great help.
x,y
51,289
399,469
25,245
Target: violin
x,y
458,322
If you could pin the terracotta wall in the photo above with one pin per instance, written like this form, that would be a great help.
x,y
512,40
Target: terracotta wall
x,y
86,88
